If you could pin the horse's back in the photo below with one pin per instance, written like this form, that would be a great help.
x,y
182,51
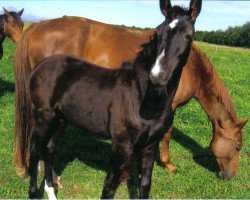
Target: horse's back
x,y
94,41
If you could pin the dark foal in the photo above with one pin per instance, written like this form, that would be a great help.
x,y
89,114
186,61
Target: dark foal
x,y
11,26
132,105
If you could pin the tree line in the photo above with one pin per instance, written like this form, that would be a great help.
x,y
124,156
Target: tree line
x,y
238,36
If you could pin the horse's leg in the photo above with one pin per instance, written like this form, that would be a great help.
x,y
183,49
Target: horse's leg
x,y
165,155
146,160
56,131
120,160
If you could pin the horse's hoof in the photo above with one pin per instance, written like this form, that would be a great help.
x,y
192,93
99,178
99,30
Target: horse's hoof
x,y
22,172
124,181
58,184
171,168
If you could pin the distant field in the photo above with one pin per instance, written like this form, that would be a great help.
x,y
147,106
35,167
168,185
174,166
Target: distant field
x,y
82,160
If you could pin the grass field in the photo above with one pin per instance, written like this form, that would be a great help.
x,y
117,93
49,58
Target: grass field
x,y
82,159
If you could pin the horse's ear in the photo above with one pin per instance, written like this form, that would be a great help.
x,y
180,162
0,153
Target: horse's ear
x,y
241,123
20,12
194,9
165,6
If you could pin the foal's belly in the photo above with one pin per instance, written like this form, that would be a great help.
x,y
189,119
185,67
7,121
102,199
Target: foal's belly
x,y
86,109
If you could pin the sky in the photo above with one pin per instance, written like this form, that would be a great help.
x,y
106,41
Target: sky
x,y
214,15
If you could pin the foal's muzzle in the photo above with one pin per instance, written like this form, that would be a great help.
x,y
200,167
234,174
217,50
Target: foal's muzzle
x,y
160,79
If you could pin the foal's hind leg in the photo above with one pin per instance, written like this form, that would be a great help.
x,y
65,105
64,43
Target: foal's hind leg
x,y
120,160
56,129
165,155
38,141
35,153
36,150
56,178
146,163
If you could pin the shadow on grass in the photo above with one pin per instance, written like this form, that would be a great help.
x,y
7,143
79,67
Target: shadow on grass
x,y
201,156
94,150
6,86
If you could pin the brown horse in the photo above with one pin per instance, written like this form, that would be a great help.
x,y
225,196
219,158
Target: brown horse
x,y
96,42
11,26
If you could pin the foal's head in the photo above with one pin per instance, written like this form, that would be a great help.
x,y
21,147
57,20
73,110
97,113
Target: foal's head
x,y
175,39
13,25
226,145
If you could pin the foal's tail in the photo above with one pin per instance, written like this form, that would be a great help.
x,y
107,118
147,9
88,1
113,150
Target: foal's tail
x,y
23,118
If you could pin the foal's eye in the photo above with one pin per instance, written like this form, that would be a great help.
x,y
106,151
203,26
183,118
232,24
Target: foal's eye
x,y
187,38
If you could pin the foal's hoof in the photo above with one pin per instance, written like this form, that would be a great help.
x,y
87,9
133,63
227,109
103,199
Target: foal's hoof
x,y
22,172
33,193
171,168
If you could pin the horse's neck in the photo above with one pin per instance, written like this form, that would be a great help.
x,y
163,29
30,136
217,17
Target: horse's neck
x,y
213,95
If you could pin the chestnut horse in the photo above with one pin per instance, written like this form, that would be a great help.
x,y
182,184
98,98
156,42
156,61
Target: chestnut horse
x,y
132,104
11,26
95,42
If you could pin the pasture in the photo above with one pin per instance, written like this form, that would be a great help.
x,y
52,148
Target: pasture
x,y
83,168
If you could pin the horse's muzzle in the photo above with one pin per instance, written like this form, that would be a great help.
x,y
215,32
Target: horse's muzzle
x,y
225,175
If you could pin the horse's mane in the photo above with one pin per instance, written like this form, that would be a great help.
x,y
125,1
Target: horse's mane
x,y
216,85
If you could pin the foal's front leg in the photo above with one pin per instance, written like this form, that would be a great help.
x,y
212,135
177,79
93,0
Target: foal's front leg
x,y
146,160
120,160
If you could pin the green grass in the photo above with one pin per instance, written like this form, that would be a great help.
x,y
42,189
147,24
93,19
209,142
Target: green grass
x,y
82,159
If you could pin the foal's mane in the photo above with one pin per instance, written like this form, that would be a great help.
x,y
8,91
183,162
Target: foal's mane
x,y
148,53
2,19
217,87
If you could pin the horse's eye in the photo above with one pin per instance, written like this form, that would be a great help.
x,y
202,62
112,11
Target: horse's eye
x,y
238,148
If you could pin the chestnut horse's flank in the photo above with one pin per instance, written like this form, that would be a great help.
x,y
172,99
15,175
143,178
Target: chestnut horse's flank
x,y
11,26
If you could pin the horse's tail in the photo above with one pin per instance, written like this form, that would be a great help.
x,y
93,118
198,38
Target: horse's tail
x,y
23,118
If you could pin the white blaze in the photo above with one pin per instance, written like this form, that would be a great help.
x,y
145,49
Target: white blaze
x,y
173,24
157,67
50,192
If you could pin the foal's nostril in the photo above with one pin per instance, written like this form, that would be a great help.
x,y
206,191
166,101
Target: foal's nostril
x,y
156,77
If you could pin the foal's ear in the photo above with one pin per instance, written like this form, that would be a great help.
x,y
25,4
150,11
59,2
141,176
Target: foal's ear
x,y
194,9
20,12
165,6
241,123
6,12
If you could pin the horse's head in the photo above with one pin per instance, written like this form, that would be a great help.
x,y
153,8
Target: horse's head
x,y
175,38
13,26
226,145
